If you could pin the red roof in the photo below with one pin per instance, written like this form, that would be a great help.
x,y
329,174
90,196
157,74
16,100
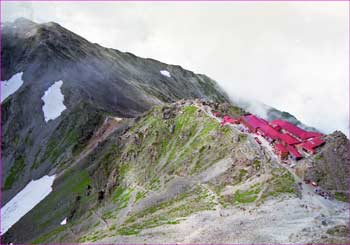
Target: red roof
x,y
288,139
227,119
293,151
263,120
275,126
280,148
291,128
217,114
313,134
308,147
314,142
254,121
269,131
274,134
311,144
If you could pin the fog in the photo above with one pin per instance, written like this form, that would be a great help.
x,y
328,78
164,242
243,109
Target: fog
x,y
292,56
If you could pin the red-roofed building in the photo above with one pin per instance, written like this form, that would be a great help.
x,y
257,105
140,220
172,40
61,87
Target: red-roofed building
x,y
289,140
311,144
252,122
306,147
227,119
263,120
285,135
292,129
281,151
275,126
294,152
268,132
315,142
313,134
217,114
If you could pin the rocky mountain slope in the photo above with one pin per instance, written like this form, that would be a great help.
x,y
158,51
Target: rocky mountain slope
x,y
96,82
173,173
137,159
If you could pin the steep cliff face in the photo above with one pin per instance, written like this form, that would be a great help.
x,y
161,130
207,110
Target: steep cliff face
x,y
96,81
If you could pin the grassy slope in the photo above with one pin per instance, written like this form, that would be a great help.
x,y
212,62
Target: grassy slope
x,y
154,151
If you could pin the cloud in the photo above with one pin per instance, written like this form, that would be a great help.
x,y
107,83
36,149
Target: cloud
x,y
292,56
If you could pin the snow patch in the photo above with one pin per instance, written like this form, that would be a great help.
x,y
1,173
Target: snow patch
x,y
165,73
24,201
53,101
64,221
11,86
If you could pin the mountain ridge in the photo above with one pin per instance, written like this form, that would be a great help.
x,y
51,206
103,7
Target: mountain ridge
x,y
173,164
109,80
138,152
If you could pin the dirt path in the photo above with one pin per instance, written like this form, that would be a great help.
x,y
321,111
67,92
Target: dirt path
x,y
181,184
214,170
99,217
124,213
276,221
107,128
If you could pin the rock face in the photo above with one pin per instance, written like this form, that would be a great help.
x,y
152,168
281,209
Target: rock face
x,y
330,167
96,81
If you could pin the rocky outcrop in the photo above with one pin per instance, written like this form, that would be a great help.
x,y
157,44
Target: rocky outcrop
x,y
330,167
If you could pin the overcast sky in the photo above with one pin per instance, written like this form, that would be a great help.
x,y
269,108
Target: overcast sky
x,y
292,56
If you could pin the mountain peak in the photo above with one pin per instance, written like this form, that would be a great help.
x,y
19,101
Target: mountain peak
x,y
24,21
22,26
27,22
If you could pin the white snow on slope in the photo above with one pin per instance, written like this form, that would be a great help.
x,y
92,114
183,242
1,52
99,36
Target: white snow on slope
x,y
24,201
11,86
64,221
165,73
53,101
